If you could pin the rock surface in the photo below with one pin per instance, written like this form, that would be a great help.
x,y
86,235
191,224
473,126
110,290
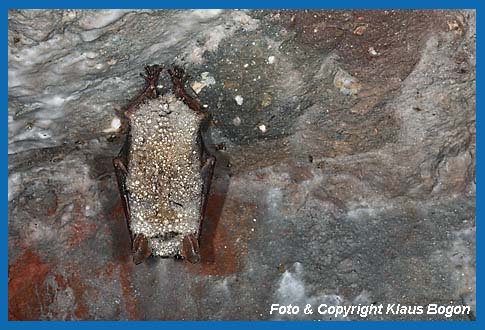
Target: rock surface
x,y
345,145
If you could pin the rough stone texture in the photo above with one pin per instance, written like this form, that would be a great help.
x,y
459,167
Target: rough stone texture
x,y
345,145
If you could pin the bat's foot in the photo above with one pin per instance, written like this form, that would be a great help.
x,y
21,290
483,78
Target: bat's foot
x,y
179,78
152,73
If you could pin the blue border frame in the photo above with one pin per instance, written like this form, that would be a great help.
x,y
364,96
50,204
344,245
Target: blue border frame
x,y
255,4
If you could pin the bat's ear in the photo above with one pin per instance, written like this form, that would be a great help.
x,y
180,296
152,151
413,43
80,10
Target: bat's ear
x,y
141,249
190,249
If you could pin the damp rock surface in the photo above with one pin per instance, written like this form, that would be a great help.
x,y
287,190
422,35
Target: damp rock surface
x,y
345,173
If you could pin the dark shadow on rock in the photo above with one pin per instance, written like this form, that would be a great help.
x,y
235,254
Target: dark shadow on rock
x,y
215,202
121,241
